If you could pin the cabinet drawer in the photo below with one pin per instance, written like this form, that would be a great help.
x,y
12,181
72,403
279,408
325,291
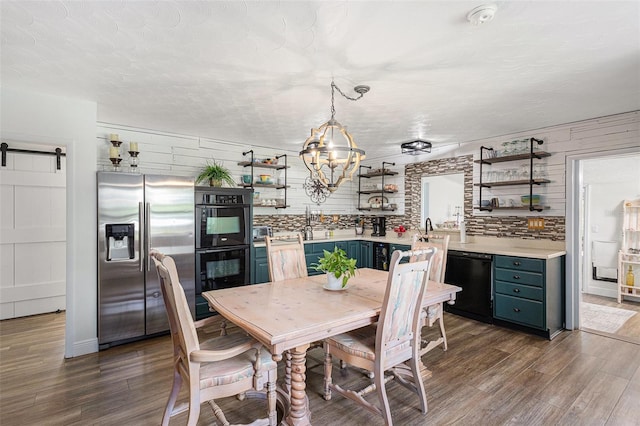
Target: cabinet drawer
x,y
520,263
518,290
519,277
523,311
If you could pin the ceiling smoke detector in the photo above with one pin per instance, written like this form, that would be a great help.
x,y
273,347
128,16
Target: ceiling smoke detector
x,y
482,14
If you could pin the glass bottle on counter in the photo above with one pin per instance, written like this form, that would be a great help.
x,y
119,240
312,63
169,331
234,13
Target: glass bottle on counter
x,y
630,279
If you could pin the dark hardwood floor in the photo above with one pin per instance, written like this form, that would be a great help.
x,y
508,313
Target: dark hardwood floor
x,y
489,376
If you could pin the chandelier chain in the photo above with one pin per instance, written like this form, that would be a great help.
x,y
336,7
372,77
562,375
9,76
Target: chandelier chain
x,y
334,86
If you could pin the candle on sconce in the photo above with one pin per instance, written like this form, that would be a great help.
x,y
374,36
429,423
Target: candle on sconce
x,y
133,146
114,137
113,152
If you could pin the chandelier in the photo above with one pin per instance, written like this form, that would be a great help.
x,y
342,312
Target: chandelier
x,y
330,153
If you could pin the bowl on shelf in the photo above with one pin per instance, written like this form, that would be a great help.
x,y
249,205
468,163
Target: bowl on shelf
x,y
525,199
265,179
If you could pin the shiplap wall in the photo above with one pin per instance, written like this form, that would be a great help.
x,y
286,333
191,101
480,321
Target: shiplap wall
x,y
165,153
32,233
184,155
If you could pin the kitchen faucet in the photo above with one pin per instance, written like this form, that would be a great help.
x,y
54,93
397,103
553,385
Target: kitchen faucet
x,y
427,225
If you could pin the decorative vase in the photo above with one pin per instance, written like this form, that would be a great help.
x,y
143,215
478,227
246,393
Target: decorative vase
x,y
216,183
333,283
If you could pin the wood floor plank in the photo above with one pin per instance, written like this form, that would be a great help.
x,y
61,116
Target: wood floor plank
x,y
489,375
595,403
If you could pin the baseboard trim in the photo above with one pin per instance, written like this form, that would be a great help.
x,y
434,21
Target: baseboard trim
x,y
84,347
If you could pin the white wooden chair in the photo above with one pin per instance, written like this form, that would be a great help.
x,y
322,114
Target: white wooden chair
x,y
285,258
221,367
393,344
434,313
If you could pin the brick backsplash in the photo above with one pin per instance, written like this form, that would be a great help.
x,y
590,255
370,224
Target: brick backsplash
x,y
498,226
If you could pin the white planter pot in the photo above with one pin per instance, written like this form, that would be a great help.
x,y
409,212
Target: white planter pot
x,y
333,283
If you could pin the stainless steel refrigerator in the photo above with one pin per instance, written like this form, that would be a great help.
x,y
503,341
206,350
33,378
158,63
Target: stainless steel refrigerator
x,y
137,213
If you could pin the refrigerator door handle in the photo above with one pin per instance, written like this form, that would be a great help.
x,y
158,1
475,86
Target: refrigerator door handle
x,y
147,234
142,239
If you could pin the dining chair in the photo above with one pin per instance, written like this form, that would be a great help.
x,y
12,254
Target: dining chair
x,y
434,313
224,366
393,344
285,258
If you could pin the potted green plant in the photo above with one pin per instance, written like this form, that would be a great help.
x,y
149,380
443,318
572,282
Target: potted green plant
x,y
216,174
338,267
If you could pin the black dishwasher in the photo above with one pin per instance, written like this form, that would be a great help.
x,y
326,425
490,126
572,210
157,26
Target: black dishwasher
x,y
472,272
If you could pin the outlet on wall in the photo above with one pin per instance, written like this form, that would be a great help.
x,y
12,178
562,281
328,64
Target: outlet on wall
x,y
535,223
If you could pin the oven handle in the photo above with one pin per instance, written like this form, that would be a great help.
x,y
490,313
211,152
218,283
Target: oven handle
x,y
224,206
221,249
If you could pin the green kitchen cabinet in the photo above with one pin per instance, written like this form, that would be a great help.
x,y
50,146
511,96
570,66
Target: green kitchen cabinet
x,y
353,250
401,247
529,294
313,251
260,269
365,257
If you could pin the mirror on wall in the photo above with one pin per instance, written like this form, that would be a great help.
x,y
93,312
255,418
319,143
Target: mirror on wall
x,y
442,199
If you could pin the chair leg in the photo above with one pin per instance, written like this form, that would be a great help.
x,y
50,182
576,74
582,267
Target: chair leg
x,y
328,367
194,412
442,332
418,383
173,396
272,413
380,384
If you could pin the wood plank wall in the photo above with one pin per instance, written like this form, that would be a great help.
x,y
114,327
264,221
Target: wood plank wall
x,y
184,155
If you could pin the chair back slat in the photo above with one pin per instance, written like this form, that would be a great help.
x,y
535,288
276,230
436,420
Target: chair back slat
x,y
286,259
439,259
398,326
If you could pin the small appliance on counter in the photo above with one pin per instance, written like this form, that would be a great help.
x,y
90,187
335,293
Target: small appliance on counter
x,y
259,232
379,223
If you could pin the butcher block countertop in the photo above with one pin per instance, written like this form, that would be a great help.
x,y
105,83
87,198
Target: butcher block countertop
x,y
536,249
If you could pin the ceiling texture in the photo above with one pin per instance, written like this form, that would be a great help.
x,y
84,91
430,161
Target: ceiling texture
x,y
260,72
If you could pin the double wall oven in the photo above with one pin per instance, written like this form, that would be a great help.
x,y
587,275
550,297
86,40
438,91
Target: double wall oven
x,y
223,238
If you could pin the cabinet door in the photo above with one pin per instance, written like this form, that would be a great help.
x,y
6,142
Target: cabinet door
x,y
260,266
353,249
261,271
365,260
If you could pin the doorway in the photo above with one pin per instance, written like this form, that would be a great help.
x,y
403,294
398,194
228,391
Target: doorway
x,y
603,182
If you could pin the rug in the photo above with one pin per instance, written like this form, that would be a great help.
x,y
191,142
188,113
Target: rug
x,y
603,318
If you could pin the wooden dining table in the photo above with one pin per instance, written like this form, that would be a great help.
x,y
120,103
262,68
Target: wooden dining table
x,y
289,315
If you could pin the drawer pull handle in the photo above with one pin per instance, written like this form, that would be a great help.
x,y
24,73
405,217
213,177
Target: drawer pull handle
x,y
516,263
516,277
516,309
516,290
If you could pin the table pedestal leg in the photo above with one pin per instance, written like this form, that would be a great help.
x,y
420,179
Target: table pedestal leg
x,y
299,414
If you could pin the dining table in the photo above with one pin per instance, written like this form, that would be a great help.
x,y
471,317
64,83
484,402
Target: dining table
x,y
289,315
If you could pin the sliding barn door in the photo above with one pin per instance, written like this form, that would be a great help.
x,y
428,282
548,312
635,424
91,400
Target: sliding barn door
x,y
32,233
